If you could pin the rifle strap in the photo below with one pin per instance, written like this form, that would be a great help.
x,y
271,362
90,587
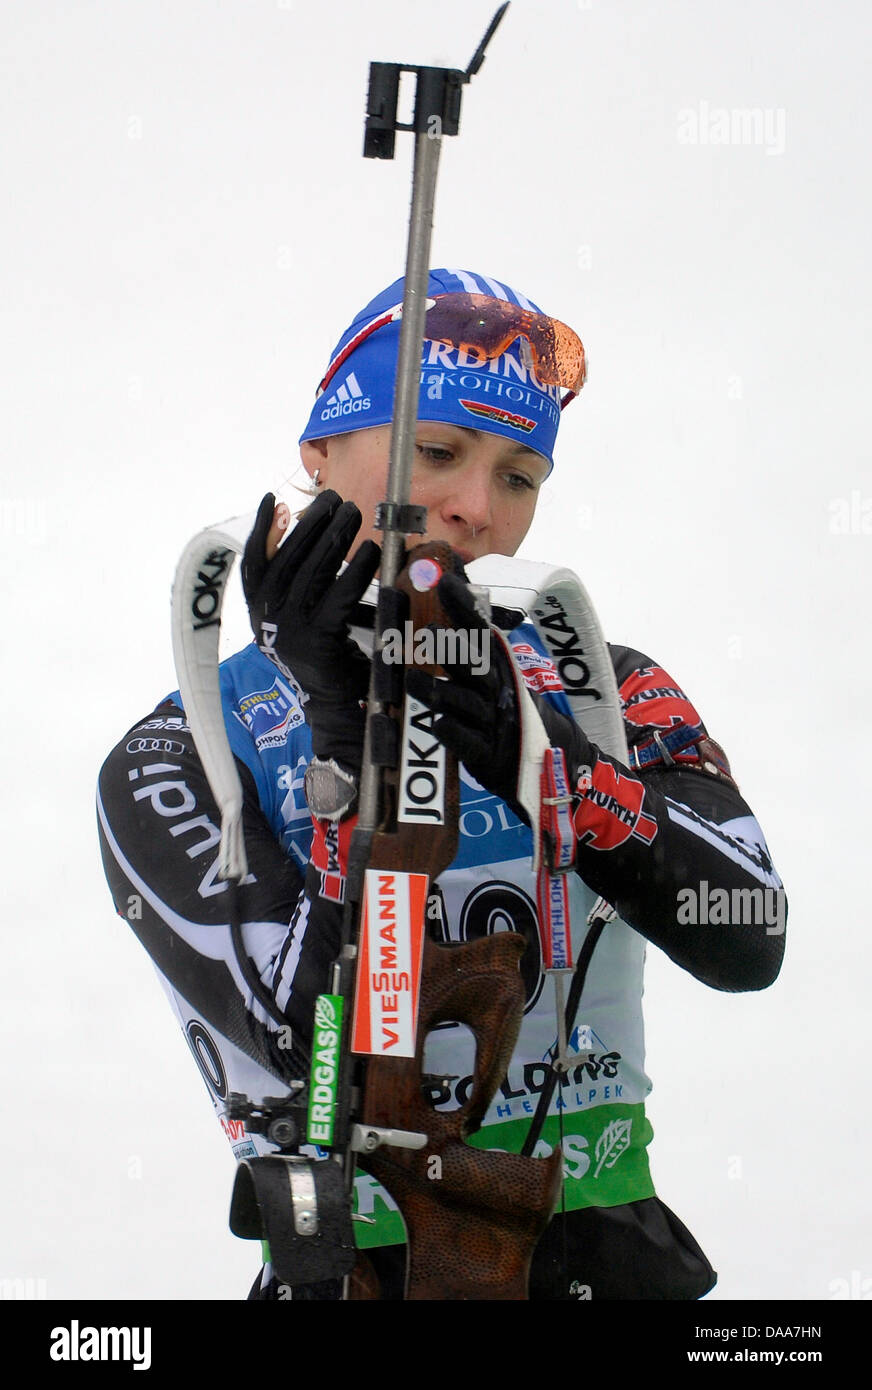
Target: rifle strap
x,y
557,604
555,601
199,588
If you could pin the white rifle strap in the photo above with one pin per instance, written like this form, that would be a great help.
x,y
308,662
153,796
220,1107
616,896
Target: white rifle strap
x,y
557,604
198,596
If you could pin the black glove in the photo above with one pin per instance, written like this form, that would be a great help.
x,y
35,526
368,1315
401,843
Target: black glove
x,y
300,614
478,715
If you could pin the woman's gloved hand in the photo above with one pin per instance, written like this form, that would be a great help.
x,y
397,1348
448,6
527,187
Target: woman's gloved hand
x,y
477,709
300,614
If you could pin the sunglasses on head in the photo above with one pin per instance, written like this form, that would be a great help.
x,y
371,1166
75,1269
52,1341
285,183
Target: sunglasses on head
x,y
481,325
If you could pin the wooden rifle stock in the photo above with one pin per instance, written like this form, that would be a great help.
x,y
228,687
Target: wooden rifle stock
x,y
473,1217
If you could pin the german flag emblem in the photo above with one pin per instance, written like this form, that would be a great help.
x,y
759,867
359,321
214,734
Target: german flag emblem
x,y
498,415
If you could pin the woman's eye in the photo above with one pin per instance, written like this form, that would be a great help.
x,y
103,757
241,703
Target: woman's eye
x,y
518,482
435,453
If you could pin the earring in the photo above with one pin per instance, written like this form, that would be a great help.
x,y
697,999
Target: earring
x,y
315,483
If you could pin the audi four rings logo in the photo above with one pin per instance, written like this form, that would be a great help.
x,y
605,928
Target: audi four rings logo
x,y
155,745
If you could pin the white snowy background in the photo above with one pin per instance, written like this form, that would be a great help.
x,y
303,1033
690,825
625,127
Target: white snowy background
x,y
188,225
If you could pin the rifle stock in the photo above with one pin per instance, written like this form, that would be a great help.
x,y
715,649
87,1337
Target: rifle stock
x,y
473,1217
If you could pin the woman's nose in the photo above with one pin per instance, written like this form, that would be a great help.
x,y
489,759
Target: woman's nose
x,y
469,501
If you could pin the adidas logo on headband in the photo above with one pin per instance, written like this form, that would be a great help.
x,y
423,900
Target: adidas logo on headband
x,y
347,399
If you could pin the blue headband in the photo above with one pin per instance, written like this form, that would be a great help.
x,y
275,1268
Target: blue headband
x,y
501,396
